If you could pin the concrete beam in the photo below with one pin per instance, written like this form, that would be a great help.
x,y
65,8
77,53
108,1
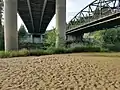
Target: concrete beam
x,y
60,22
43,10
10,25
29,6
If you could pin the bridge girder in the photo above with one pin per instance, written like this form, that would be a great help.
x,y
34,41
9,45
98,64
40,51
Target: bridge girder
x,y
36,14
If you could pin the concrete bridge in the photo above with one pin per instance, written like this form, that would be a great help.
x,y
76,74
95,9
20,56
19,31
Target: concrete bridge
x,y
36,14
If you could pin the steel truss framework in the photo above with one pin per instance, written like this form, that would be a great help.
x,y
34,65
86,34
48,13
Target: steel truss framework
x,y
96,10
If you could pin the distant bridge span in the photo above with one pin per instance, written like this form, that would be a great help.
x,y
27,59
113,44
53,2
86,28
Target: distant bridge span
x,y
98,15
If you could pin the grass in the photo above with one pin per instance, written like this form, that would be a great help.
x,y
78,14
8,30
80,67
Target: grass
x,y
50,51
9,54
110,54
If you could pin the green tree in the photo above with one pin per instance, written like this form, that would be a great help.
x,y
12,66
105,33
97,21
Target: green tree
x,y
50,37
22,32
108,36
111,36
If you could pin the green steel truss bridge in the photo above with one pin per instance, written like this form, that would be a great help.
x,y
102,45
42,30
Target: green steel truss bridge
x,y
98,15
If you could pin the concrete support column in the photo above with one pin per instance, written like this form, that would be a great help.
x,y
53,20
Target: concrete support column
x,y
74,37
77,40
37,38
10,25
32,39
60,22
41,38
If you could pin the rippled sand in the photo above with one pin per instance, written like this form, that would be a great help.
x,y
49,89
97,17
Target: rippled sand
x,y
60,72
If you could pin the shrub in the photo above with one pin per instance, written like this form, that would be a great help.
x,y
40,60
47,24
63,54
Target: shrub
x,y
57,50
30,46
113,47
13,54
86,49
38,52
4,54
49,51
9,54
23,52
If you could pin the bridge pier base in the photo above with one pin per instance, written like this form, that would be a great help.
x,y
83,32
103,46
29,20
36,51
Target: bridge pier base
x,y
10,25
60,22
73,40
37,38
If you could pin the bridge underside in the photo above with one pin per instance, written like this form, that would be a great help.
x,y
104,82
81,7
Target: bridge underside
x,y
36,14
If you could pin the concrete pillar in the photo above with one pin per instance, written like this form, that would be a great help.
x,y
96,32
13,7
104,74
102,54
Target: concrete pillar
x,y
60,22
37,38
74,37
10,25
32,39
41,38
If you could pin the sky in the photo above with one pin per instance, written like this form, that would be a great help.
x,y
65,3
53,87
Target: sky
x,y
72,8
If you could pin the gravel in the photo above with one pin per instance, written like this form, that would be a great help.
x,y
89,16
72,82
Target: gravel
x,y
60,72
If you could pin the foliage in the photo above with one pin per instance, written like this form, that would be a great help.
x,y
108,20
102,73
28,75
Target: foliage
x,y
30,46
50,51
50,38
22,32
38,52
57,50
113,47
109,38
9,54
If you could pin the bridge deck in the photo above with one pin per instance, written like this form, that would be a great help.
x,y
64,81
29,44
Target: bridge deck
x,y
36,14
100,24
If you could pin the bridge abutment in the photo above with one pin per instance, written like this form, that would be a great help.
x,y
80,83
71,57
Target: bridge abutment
x,y
73,40
10,25
60,22
37,38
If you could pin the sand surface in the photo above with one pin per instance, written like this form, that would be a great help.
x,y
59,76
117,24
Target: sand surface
x,y
60,72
